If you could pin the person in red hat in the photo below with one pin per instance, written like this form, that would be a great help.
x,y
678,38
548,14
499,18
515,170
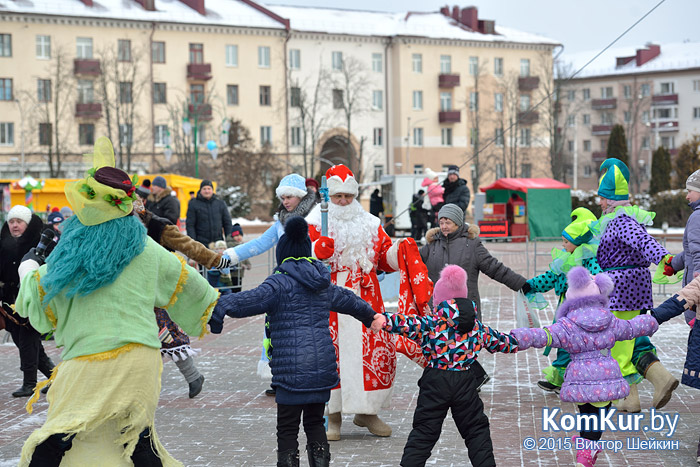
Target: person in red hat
x,y
356,247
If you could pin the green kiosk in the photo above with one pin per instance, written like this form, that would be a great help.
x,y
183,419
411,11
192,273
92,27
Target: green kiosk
x,y
529,207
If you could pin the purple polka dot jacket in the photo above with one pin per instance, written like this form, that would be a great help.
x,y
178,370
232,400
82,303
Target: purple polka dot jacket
x,y
587,330
625,252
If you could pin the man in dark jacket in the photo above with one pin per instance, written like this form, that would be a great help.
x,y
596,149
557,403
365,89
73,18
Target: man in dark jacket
x,y
376,203
208,219
161,202
19,234
418,215
456,189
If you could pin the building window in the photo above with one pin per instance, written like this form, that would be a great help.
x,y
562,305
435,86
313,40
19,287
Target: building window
x,y
337,60
668,142
667,88
627,91
525,67
645,90
295,97
586,119
500,171
571,95
196,94
5,45
606,118
265,135
378,137
498,137
84,48
417,63
294,59
159,93
417,100
7,134
378,172
446,136
587,145
473,136
6,89
474,101
377,100
43,47
232,94
603,144
377,63
498,102
43,88
663,113
196,53
126,134
338,101
86,94
645,116
158,52
498,66
232,55
645,142
586,94
606,92
265,95
124,50
571,120
524,102
526,170
418,136
161,136
525,137
86,134
44,134
696,113
296,136
570,145
417,169
125,92
445,101
696,85
445,64
628,116
473,66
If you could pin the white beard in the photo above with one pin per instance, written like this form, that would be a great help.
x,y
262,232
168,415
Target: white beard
x,y
354,232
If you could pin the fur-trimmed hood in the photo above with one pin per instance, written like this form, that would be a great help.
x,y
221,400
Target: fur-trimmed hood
x,y
155,198
472,231
591,313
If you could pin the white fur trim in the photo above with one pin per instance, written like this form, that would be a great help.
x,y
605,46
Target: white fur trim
x,y
336,185
231,253
392,255
289,191
26,267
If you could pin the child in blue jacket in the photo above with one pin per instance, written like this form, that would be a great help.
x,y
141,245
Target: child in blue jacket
x,y
451,340
298,298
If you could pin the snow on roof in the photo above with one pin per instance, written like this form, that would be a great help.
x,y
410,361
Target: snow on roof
x,y
383,24
674,56
218,12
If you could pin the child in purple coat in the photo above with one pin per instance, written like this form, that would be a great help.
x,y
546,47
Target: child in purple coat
x,y
587,329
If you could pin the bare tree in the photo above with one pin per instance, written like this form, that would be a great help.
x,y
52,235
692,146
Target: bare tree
x,y
636,103
475,117
508,85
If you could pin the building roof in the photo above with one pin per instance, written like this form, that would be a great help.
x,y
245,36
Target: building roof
x,y
524,184
433,25
218,12
673,56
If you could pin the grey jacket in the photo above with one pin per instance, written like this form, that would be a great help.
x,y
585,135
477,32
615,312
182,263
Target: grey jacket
x,y
464,249
689,259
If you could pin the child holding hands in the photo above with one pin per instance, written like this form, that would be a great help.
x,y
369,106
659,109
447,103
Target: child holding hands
x,y
451,340
298,298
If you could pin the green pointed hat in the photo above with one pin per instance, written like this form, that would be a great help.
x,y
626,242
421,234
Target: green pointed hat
x,y
578,231
614,184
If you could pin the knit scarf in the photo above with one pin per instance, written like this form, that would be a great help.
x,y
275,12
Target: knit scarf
x,y
303,208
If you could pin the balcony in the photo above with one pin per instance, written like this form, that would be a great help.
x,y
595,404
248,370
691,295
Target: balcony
x,y
201,111
599,156
601,130
86,67
603,104
199,71
88,110
528,118
528,83
666,99
448,81
664,126
450,116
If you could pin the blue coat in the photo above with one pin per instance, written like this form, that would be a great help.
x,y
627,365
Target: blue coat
x,y
298,297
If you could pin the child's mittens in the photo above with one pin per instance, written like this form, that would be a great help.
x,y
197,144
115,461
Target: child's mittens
x,y
668,269
216,322
524,338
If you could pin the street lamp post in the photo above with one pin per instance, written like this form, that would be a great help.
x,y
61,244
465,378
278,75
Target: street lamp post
x,y
21,123
187,128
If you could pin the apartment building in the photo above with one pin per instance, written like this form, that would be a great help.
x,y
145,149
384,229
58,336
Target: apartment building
x,y
653,92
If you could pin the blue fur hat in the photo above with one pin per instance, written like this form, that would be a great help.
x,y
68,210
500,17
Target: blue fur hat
x,y
614,184
292,185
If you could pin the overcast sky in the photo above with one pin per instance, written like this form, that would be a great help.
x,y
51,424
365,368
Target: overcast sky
x,y
581,25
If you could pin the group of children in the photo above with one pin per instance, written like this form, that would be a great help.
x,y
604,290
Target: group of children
x,y
299,294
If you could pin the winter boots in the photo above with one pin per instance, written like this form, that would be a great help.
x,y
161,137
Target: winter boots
x,y
28,385
630,403
288,458
664,383
334,421
373,423
585,457
549,387
196,386
319,454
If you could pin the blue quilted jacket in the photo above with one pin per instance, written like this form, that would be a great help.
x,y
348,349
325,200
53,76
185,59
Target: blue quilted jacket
x,y
298,297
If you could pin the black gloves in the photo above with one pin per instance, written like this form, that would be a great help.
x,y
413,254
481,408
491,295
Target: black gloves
x,y
526,288
31,254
